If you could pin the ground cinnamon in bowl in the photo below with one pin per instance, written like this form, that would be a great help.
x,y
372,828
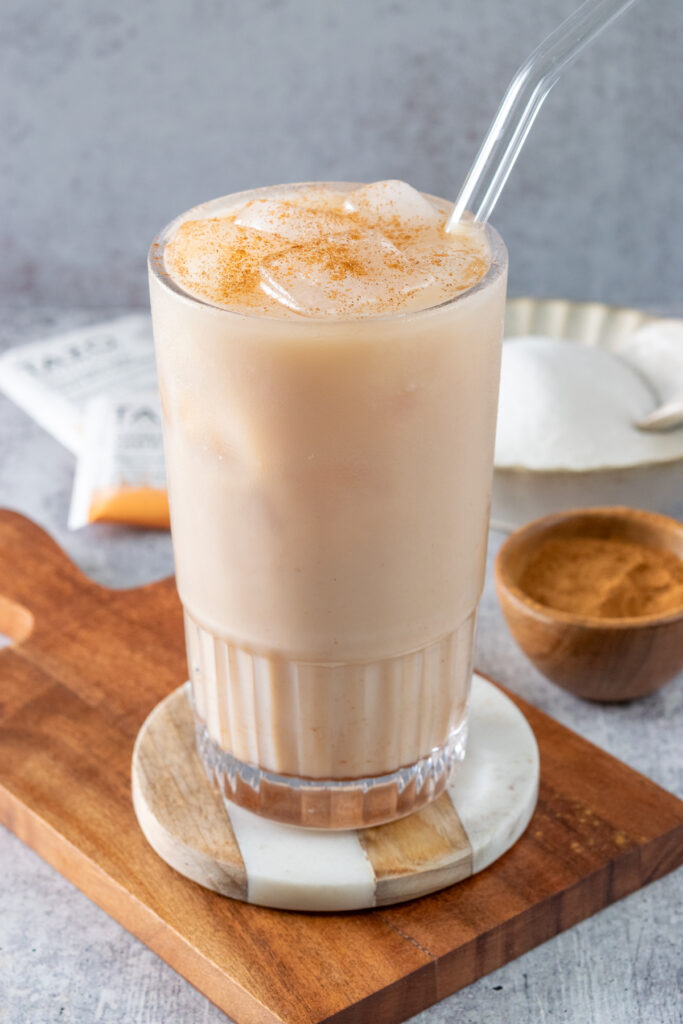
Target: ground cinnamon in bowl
x,y
594,598
604,577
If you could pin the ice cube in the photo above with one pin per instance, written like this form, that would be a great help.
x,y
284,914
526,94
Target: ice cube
x,y
391,200
294,223
343,277
196,253
455,269
218,428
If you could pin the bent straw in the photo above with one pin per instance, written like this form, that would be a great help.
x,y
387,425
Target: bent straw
x,y
522,102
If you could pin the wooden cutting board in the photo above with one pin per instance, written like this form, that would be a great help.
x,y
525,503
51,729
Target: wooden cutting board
x,y
88,666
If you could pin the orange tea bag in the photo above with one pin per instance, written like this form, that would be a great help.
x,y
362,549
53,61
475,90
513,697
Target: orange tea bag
x,y
120,475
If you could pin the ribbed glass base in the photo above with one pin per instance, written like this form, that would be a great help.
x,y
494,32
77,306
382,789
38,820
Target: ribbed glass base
x,y
329,720
331,803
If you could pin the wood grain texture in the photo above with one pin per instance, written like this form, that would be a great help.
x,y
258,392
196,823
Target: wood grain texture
x,y
201,843
598,659
74,694
407,850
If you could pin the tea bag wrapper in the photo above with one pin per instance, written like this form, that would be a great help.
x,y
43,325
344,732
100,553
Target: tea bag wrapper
x,y
54,378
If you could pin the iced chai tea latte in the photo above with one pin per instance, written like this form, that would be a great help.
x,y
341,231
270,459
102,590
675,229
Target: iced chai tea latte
x,y
328,361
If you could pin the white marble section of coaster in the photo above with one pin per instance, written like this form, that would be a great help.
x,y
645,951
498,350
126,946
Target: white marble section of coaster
x,y
495,789
302,869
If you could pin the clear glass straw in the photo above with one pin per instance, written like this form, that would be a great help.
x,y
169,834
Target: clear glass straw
x,y
522,102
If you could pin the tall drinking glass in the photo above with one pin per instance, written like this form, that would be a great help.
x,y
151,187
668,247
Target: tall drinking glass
x,y
329,485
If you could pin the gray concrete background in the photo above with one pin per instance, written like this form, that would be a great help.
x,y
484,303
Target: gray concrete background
x,y
63,961
115,117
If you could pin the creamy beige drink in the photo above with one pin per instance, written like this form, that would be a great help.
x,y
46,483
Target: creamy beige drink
x,y
328,363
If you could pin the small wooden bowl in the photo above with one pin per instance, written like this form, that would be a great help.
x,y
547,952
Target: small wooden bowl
x,y
596,658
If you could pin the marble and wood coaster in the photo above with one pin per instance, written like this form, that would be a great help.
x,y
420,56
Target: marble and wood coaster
x,y
238,854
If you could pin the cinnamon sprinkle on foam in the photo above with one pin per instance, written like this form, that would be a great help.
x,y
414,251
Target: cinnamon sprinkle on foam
x,y
322,253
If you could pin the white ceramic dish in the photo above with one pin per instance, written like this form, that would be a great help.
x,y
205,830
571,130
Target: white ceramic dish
x,y
519,494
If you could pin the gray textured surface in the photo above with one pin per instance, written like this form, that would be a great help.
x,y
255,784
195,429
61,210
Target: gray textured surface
x,y
63,960
114,118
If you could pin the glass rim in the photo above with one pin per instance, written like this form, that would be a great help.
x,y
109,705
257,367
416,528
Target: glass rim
x,y
155,263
